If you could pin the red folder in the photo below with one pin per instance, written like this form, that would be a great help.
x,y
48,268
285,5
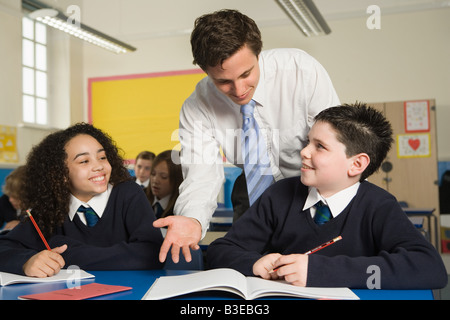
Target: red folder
x,y
77,293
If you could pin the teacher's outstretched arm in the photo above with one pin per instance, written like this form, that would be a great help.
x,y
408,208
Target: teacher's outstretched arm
x,y
182,232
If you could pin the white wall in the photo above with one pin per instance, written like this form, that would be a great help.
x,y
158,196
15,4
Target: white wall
x,y
59,48
408,58
10,42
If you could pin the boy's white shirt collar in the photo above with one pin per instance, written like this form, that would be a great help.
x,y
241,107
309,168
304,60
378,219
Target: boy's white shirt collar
x,y
145,183
98,203
337,202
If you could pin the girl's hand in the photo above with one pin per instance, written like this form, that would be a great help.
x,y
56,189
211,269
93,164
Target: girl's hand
x,y
45,263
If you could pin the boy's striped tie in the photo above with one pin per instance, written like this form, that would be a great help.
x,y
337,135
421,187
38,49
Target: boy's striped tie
x,y
323,213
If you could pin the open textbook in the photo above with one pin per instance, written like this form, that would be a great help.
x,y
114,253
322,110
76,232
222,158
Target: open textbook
x,y
63,275
230,280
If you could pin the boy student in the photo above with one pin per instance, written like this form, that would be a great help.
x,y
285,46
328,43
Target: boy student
x,y
142,168
346,145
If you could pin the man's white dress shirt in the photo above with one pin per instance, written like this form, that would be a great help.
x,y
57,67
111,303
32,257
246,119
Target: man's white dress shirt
x,y
293,88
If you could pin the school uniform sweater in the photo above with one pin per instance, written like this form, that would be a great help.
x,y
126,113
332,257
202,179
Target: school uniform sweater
x,y
123,239
7,211
375,232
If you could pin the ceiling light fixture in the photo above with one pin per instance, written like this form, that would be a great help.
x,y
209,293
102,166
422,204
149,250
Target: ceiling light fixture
x,y
57,20
306,16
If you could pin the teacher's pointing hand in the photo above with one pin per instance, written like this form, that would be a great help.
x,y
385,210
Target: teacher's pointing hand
x,y
182,232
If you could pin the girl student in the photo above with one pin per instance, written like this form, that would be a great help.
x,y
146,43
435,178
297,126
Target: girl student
x,y
72,169
165,179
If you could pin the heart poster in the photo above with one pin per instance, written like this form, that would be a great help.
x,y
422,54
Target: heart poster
x,y
413,145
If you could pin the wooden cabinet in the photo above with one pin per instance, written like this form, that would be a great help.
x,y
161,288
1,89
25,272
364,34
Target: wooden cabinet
x,y
410,169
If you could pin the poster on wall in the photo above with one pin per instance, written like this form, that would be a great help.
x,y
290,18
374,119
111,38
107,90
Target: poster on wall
x,y
417,116
148,103
8,146
413,145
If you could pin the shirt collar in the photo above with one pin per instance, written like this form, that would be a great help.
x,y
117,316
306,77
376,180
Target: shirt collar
x,y
98,203
163,202
145,183
260,92
337,202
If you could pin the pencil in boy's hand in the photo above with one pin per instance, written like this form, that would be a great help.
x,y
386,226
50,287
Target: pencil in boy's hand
x,y
38,230
326,244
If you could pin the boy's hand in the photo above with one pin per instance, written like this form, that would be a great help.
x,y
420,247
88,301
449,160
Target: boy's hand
x,y
265,265
45,263
294,268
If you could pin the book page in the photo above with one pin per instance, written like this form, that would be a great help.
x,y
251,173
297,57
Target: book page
x,y
63,275
258,288
216,279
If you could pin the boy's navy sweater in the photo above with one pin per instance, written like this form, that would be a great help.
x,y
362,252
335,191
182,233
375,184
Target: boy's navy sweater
x,y
123,239
375,232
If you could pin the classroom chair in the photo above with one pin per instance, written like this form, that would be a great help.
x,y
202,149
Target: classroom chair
x,y
416,221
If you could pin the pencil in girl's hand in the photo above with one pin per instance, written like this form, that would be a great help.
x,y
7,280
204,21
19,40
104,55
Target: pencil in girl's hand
x,y
38,230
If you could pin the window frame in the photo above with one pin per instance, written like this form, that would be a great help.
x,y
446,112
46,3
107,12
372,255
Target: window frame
x,y
35,66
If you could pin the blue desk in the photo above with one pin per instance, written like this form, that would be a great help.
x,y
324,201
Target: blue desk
x,y
141,281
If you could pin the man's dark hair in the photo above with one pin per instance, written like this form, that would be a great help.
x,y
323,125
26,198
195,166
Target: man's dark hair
x,y
219,35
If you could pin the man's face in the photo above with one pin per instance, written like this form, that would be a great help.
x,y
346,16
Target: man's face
x,y
238,76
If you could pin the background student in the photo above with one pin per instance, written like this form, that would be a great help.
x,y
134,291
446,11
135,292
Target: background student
x,y
288,88
69,173
10,201
346,145
142,168
165,179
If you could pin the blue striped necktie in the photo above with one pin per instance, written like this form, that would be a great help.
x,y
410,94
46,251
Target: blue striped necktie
x,y
90,215
254,154
323,213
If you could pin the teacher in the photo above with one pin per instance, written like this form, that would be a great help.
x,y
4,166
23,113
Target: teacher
x,y
285,88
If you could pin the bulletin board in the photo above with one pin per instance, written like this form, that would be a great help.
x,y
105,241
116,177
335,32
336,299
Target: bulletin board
x,y
141,112
8,144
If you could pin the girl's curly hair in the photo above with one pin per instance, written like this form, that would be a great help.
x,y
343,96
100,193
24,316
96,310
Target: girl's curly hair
x,y
47,190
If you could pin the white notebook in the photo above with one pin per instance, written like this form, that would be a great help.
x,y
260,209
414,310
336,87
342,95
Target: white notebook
x,y
230,280
63,275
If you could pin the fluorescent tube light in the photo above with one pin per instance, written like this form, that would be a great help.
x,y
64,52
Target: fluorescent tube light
x,y
306,16
57,20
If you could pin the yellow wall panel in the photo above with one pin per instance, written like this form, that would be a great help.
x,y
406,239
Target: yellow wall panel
x,y
141,112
